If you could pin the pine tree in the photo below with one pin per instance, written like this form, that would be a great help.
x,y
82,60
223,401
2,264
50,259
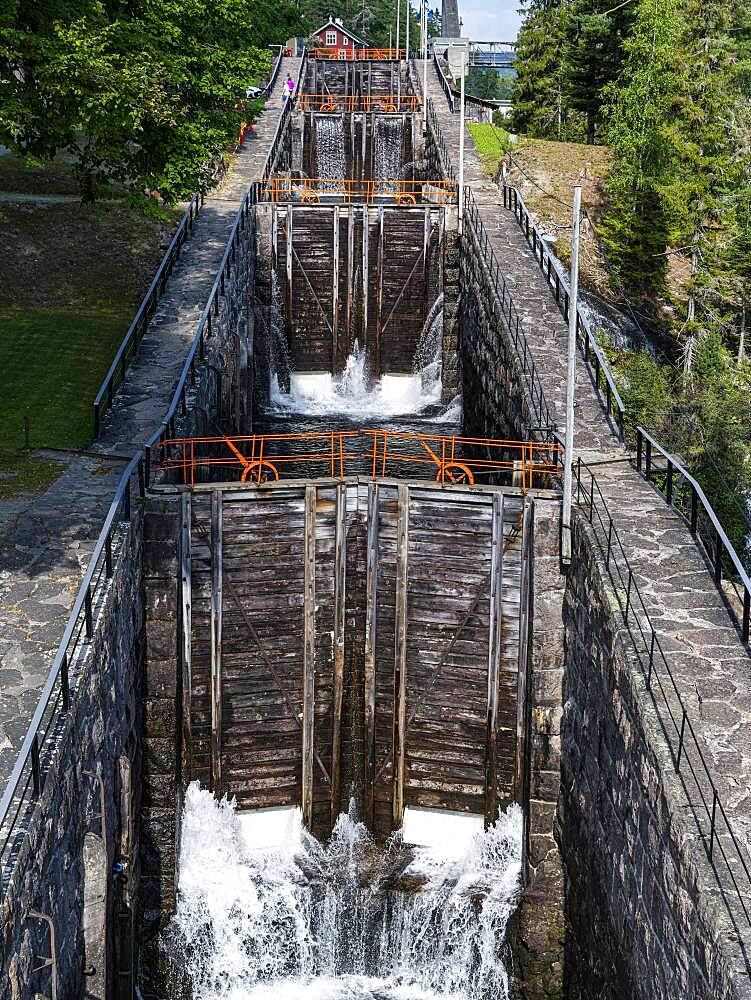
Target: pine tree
x,y
538,104
592,55
637,227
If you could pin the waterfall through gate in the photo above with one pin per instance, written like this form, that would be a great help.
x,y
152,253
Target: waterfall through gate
x,y
343,920
389,137
329,133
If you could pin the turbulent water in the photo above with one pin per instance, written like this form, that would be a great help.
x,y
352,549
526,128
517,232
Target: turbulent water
x,y
330,146
324,922
389,133
353,394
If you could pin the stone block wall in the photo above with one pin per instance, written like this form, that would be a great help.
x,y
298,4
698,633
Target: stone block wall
x,y
539,931
161,734
642,920
496,404
67,857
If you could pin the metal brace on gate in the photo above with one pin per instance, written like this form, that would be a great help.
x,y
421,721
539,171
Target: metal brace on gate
x,y
47,962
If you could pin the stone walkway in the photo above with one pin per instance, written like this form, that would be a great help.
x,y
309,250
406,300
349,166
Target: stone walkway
x,y
45,543
710,664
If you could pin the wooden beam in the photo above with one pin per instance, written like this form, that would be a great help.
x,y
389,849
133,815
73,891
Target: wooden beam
x,y
379,290
288,284
340,572
335,297
400,656
350,269
186,624
495,641
274,237
309,643
364,281
216,643
370,650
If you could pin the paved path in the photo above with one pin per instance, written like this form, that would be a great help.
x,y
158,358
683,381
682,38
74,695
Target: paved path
x,y
45,544
712,667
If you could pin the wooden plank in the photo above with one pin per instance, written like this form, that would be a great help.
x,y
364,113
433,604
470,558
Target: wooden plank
x,y
350,266
364,282
400,657
339,612
335,297
288,283
379,290
370,648
309,639
186,624
274,237
216,643
495,641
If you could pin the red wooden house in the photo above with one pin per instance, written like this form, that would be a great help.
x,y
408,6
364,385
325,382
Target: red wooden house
x,y
335,35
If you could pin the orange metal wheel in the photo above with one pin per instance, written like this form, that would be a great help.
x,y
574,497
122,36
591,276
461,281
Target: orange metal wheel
x,y
406,199
260,472
456,472
389,109
329,106
311,198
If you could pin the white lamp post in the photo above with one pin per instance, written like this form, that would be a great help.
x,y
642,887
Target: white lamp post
x,y
568,455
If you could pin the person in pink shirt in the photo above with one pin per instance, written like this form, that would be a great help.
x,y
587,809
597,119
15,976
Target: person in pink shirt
x,y
290,86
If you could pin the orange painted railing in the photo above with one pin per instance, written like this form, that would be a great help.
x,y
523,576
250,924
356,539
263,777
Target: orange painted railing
x,y
310,190
388,103
261,458
349,54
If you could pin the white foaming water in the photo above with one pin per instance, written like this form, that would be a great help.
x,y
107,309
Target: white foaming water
x,y
330,146
352,393
324,922
389,137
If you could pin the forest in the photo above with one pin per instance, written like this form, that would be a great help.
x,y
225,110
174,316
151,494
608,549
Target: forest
x,y
666,84
147,94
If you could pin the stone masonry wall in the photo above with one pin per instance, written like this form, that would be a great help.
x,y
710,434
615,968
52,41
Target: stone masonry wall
x,y
539,934
52,866
494,397
162,724
642,924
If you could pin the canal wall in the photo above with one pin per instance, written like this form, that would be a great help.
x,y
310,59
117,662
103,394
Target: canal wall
x,y
87,818
645,917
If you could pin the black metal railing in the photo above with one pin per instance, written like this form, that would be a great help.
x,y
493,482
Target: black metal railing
x,y
544,420
557,280
140,324
269,85
281,126
434,126
26,782
684,494
137,329
727,856
445,85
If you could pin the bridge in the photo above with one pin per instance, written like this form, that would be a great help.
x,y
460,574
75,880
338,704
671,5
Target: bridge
x,y
497,55
302,606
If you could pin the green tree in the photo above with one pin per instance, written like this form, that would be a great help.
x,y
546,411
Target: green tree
x,y
636,228
538,99
145,93
592,55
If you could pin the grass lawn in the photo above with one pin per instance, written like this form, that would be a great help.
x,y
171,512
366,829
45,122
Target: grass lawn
x,y
491,142
71,279
52,362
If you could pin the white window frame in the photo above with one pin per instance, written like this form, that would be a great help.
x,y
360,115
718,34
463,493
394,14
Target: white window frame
x,y
342,53
331,38
345,40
